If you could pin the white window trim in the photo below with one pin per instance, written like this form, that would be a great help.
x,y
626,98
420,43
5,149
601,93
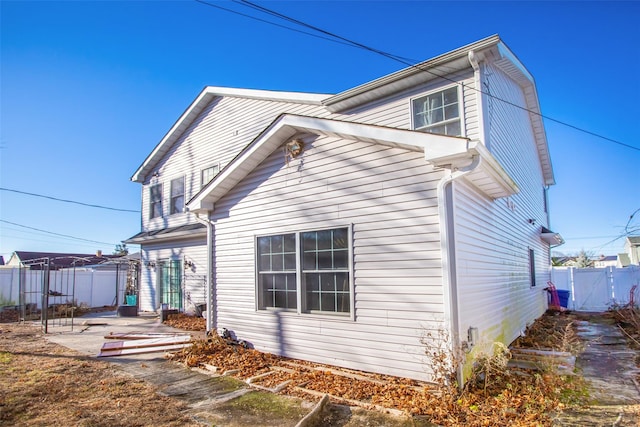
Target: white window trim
x,y
458,87
213,165
157,184
184,194
299,309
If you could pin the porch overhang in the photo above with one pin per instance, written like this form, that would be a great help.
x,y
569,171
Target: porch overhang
x,y
168,234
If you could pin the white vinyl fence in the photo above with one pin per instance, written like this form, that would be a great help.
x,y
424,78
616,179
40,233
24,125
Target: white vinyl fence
x,y
597,289
94,288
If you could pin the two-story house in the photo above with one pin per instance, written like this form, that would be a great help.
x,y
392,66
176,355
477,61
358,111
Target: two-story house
x,y
346,229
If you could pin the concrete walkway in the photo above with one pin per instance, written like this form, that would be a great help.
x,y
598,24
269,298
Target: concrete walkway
x,y
212,399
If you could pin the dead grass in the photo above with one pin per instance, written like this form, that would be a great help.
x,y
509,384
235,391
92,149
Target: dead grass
x,y
45,384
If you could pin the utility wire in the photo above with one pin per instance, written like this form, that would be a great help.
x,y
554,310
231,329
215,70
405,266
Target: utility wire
x,y
68,201
56,234
266,22
404,61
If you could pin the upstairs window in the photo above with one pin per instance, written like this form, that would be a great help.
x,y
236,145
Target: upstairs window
x,y
177,195
438,112
155,198
305,272
208,174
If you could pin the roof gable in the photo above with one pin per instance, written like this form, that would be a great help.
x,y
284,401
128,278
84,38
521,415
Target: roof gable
x,y
200,103
440,150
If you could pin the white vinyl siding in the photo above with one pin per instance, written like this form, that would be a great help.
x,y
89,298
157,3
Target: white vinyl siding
x,y
215,137
493,237
389,196
193,275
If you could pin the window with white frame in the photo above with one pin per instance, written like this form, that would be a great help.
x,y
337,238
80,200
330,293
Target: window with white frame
x,y
155,201
310,269
177,195
438,112
208,174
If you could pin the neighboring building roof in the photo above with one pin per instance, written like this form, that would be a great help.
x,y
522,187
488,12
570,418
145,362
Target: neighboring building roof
x,y
167,233
634,240
624,259
607,258
442,65
61,260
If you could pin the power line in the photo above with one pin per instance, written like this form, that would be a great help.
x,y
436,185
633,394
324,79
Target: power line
x,y
55,234
68,201
265,21
404,61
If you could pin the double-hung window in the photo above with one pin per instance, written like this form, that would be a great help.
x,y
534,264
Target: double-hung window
x,y
155,201
438,112
177,195
277,271
307,271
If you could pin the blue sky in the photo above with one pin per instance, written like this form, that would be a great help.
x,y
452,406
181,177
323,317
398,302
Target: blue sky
x,y
89,88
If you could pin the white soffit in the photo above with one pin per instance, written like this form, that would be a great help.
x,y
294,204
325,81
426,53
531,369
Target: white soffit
x,y
489,176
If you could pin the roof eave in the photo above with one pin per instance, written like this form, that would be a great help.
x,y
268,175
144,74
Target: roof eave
x,y
416,74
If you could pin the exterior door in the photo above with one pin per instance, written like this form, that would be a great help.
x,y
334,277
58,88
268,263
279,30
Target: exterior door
x,y
171,284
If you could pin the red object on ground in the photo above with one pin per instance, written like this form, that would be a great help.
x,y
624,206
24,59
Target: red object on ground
x,y
555,299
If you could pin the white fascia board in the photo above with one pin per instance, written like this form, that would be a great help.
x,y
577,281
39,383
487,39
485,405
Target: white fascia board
x,y
506,53
269,95
202,100
441,65
287,126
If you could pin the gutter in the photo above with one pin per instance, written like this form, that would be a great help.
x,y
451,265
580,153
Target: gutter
x,y
448,250
211,299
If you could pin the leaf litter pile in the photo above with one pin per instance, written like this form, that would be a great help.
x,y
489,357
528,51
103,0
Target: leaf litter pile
x,y
496,395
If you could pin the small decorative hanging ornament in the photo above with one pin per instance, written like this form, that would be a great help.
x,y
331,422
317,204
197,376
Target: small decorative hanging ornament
x,y
294,147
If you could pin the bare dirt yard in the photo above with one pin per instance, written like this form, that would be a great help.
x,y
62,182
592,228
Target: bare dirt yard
x,y
45,384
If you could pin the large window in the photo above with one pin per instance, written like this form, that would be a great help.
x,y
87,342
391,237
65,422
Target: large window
x,y
208,174
308,271
438,112
177,195
155,204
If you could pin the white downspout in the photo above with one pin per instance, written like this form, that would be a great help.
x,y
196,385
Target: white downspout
x,y
211,299
447,248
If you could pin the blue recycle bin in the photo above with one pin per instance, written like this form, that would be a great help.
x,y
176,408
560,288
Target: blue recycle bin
x,y
131,299
563,296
